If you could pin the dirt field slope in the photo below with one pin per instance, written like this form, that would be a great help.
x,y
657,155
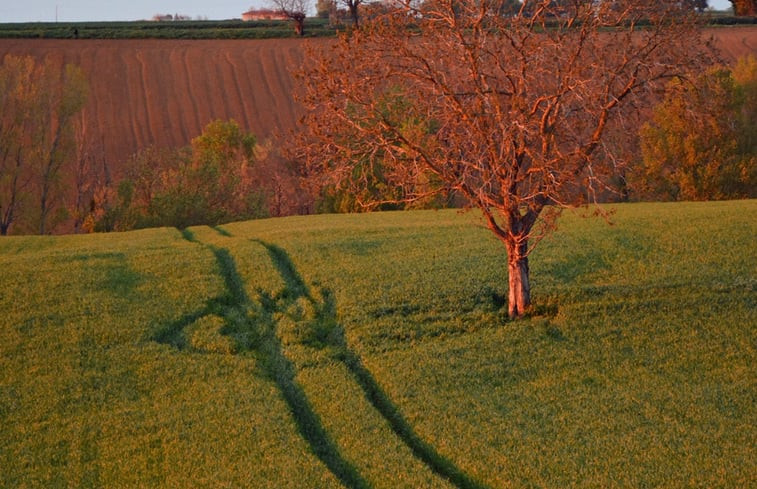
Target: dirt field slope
x,y
163,92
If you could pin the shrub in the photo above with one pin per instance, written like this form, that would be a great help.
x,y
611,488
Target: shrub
x,y
701,143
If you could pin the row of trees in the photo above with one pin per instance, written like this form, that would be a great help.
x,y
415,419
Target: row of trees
x,y
39,104
701,142
355,9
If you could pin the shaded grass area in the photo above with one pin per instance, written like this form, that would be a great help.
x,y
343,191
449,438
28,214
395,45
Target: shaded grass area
x,y
151,358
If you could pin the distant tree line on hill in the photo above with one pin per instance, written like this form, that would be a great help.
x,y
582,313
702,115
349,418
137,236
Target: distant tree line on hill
x,y
188,29
331,18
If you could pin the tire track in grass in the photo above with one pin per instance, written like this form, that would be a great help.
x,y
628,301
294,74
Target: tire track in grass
x,y
295,288
242,316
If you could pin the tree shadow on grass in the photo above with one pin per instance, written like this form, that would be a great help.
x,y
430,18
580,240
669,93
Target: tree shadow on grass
x,y
326,331
253,328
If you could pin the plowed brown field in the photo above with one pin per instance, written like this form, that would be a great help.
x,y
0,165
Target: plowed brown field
x,y
163,92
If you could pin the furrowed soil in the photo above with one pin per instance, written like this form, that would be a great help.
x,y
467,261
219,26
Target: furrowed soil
x,y
163,92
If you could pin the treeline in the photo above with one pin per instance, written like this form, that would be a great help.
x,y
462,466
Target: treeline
x,y
320,26
212,181
699,144
40,105
195,29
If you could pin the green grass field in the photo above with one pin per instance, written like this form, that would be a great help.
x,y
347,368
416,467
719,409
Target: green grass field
x,y
374,351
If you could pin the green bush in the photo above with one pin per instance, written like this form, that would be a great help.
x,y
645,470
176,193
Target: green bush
x,y
701,142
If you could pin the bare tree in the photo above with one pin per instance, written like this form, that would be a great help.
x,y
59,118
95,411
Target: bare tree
x,y
17,97
64,93
296,10
510,111
353,7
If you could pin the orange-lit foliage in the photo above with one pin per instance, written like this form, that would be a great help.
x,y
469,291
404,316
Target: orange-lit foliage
x,y
207,183
744,7
702,141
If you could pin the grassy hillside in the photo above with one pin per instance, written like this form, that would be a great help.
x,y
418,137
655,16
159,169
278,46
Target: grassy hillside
x,y
373,351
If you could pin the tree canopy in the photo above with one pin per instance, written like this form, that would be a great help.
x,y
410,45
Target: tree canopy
x,y
209,182
701,143
515,108
744,7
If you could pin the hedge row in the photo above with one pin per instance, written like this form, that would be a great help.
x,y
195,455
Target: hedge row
x,y
228,29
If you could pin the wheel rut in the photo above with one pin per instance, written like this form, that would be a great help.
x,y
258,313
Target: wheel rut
x,y
253,324
254,330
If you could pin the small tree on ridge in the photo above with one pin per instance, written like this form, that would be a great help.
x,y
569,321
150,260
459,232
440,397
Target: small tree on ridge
x,y
296,10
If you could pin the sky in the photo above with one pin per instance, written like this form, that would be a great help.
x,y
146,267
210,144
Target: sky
x,y
94,10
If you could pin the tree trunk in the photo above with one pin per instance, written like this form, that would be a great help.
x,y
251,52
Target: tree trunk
x,y
519,296
299,23
43,210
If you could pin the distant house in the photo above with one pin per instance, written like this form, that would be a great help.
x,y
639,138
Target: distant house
x,y
264,14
